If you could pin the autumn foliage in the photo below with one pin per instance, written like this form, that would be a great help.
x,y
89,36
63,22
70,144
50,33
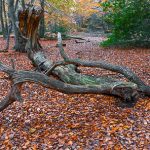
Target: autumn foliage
x,y
51,120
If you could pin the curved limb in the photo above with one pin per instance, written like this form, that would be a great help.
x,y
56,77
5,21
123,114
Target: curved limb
x,y
130,75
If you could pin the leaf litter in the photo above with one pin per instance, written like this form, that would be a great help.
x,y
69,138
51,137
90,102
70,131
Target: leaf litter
x,y
48,119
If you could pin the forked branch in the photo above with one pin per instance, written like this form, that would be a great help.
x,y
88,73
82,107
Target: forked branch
x,y
69,81
130,75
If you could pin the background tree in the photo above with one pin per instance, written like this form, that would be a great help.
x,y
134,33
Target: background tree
x,y
84,10
60,15
130,20
3,18
42,21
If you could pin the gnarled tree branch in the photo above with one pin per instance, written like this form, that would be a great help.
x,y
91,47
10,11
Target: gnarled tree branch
x,y
19,77
131,76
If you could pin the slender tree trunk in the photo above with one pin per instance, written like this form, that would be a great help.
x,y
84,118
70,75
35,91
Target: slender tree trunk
x,y
42,21
8,27
5,19
13,19
16,5
20,42
23,4
2,19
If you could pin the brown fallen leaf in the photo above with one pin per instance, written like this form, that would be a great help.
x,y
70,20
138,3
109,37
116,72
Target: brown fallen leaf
x,y
32,130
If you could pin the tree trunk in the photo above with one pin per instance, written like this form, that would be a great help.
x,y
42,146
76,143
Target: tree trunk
x,y
5,18
26,36
2,19
42,21
16,5
12,16
29,19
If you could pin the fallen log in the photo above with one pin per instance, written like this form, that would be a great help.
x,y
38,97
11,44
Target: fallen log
x,y
124,90
69,80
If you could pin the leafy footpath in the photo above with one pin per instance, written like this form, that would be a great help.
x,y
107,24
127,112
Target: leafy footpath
x,y
51,120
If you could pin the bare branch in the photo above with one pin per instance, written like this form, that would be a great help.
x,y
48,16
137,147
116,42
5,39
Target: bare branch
x,y
50,82
13,63
14,95
131,76
127,91
62,52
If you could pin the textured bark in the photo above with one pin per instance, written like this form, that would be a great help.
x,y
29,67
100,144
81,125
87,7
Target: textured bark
x,y
70,81
18,39
28,25
1,18
26,32
14,95
5,18
23,4
9,27
42,21
19,77
16,5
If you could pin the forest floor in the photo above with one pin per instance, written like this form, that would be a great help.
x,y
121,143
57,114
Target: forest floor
x,y
51,120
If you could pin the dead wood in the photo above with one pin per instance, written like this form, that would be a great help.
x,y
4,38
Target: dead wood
x,y
69,80
20,77
77,41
